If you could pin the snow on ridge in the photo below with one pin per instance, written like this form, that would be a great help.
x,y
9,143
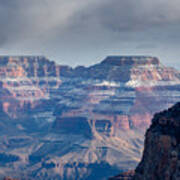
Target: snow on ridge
x,y
109,83
140,83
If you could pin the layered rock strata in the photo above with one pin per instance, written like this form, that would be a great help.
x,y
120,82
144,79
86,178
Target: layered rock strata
x,y
59,122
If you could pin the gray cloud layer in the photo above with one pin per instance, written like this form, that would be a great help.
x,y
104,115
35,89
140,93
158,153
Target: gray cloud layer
x,y
82,32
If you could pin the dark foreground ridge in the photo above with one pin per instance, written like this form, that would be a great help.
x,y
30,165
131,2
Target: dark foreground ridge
x,y
161,157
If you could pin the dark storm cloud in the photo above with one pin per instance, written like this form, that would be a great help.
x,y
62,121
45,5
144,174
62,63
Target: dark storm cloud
x,y
11,21
128,15
78,29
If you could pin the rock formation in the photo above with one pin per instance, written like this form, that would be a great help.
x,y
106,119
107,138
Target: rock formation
x,y
71,123
27,80
161,157
113,91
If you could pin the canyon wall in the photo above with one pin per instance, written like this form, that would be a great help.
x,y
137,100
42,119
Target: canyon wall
x,y
73,123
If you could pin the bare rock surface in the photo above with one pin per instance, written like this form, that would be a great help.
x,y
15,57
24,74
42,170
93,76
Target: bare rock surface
x,y
59,122
161,157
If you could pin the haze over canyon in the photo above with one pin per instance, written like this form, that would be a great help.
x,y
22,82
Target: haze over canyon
x,y
59,122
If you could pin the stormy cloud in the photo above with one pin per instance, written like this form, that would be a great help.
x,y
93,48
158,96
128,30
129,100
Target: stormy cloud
x,y
83,32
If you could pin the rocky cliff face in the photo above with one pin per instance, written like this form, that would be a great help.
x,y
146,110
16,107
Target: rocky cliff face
x,y
161,157
119,93
71,123
113,90
133,70
27,80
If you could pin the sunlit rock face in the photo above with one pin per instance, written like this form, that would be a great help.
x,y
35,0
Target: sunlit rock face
x,y
72,123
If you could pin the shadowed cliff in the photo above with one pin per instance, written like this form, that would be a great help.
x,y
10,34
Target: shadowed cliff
x,y
161,157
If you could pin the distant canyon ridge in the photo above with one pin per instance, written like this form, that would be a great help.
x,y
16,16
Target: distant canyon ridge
x,y
74,123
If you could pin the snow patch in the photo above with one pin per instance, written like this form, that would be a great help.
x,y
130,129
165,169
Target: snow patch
x,y
140,83
109,83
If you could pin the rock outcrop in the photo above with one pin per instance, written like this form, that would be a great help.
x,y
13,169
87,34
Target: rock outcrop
x,y
161,157
27,80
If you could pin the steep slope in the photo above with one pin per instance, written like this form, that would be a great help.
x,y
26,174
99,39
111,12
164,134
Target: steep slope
x,y
66,123
160,159
25,83
114,89
118,93
28,80
161,155
133,70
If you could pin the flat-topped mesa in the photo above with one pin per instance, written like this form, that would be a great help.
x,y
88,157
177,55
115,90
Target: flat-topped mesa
x,y
135,71
131,60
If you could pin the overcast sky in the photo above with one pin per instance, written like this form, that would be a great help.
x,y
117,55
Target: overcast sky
x,y
85,31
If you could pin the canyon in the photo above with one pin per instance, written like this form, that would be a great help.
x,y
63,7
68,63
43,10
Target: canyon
x,y
59,122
